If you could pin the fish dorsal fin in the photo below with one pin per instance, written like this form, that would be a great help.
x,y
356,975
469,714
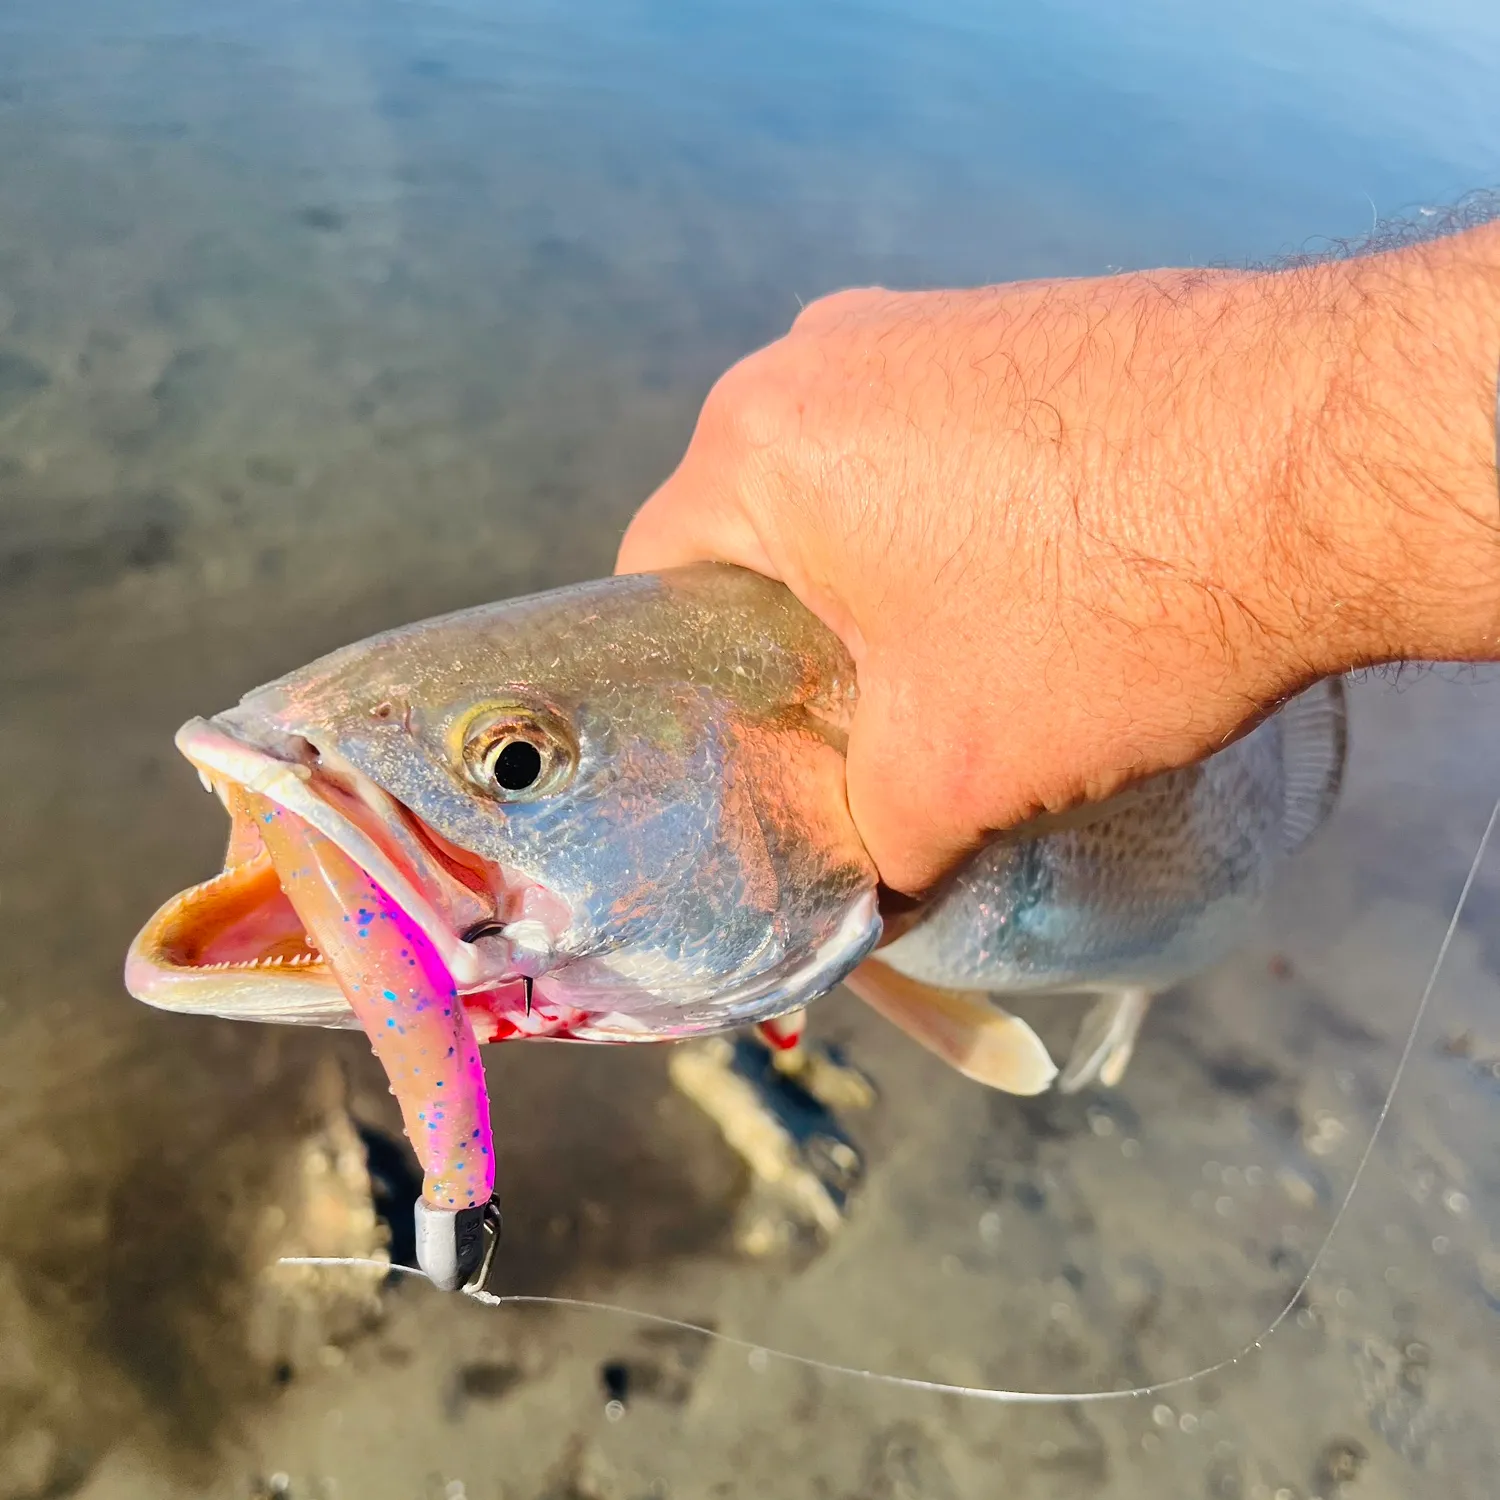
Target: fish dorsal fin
x,y
1314,742
978,1039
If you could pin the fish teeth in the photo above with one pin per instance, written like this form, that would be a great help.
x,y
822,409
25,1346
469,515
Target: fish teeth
x,y
275,961
283,961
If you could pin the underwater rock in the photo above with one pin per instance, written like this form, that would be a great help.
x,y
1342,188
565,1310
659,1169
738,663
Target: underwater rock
x,y
324,1207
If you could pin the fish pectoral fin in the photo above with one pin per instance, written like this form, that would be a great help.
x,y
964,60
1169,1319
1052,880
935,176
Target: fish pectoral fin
x,y
970,1034
1105,1040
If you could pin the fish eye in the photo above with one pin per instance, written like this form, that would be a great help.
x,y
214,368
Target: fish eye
x,y
518,755
515,765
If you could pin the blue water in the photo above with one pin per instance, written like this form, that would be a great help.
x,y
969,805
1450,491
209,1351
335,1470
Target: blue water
x,y
507,248
921,142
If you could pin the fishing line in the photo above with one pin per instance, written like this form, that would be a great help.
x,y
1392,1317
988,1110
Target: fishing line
x,y
760,1354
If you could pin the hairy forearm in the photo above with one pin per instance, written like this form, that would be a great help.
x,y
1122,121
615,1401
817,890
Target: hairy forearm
x,y
1352,406
1402,487
1297,468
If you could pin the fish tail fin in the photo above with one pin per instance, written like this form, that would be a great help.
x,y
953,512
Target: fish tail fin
x,y
1314,745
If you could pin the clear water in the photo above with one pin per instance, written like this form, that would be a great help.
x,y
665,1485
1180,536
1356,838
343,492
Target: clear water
x,y
318,316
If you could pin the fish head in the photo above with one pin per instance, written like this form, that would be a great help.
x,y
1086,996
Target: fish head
x,y
616,811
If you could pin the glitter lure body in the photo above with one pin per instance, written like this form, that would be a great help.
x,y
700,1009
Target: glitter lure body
x,y
403,997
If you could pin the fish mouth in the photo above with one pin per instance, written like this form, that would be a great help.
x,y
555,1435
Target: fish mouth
x,y
233,945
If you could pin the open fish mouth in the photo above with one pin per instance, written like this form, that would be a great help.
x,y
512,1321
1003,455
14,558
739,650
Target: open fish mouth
x,y
233,946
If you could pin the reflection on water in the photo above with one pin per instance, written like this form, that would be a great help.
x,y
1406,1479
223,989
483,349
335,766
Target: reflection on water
x,y
319,316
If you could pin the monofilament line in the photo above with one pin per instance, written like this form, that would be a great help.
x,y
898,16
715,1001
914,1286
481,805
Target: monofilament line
x,y
1019,1398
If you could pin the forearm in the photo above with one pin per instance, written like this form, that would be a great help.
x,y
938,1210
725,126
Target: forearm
x,y
1295,471
1393,361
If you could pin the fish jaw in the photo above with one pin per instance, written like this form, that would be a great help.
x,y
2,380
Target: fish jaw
x,y
234,946
230,948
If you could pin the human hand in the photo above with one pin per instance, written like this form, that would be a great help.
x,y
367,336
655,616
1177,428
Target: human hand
x,y
1077,532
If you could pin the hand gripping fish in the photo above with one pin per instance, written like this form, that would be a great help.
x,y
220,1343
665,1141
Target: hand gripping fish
x,y
616,813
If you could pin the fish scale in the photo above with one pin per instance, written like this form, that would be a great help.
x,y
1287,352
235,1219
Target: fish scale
x,y
1149,894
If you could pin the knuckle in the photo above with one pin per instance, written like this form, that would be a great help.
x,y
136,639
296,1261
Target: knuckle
x,y
839,307
755,405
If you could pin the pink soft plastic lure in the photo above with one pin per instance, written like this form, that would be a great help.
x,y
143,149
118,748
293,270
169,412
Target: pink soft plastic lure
x,y
405,1000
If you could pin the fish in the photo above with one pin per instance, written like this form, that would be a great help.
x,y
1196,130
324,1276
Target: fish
x,y
615,812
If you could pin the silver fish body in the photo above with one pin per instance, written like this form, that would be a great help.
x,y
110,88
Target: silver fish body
x,y
617,813
1146,891
685,862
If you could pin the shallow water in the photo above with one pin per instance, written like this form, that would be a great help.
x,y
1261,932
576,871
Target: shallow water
x,y
316,317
